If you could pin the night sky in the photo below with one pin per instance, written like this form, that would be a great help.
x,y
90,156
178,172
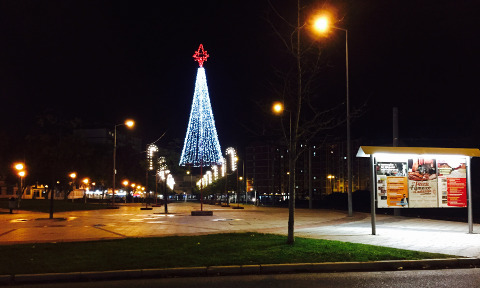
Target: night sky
x,y
104,61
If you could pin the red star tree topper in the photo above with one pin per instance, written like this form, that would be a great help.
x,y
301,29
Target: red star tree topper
x,y
200,55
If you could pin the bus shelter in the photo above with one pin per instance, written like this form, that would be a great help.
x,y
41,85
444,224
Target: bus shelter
x,y
420,177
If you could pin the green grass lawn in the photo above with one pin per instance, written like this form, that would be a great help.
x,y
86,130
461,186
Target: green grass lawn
x,y
189,251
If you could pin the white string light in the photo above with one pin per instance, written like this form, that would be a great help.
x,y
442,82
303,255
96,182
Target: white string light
x,y
151,149
201,146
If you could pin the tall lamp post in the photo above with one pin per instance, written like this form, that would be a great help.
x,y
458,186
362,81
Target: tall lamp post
x,y
278,108
129,124
322,25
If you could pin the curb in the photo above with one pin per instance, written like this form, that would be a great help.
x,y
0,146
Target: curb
x,y
389,265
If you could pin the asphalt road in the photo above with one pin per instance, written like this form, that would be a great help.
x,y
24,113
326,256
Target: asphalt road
x,y
399,279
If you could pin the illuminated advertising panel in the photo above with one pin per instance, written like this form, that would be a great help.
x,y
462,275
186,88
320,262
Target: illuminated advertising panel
x,y
423,182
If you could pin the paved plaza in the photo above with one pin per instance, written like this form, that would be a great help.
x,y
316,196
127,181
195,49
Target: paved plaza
x,y
130,221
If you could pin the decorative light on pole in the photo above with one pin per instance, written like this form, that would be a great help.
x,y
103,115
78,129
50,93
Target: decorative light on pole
x,y
151,150
129,123
233,156
322,25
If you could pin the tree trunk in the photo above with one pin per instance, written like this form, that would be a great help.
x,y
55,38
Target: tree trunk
x,y
293,138
52,189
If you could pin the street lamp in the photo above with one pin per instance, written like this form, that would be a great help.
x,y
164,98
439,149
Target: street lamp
x,y
129,124
322,24
278,108
85,186
331,177
125,183
73,175
20,167
21,174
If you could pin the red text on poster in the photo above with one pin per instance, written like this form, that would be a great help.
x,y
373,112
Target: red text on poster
x,y
457,192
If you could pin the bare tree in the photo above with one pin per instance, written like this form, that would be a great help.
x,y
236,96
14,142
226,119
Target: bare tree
x,y
309,113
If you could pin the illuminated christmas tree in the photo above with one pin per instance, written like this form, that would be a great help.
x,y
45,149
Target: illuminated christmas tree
x,y
201,147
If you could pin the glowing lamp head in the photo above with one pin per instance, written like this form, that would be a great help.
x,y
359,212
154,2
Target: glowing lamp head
x,y
73,175
125,182
21,173
321,24
86,180
19,166
278,108
129,123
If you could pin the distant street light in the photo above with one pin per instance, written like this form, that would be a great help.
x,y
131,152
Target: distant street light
x,y
22,175
331,177
322,25
125,183
85,186
19,166
129,124
73,175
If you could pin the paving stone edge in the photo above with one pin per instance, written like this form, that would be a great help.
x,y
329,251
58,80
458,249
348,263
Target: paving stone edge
x,y
389,265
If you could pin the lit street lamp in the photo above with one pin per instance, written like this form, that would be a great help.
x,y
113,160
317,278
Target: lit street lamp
x,y
129,124
125,183
73,175
278,109
85,181
322,24
20,167
331,177
21,174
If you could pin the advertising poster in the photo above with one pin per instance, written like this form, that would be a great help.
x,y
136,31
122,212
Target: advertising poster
x,y
382,191
422,183
452,186
392,185
397,192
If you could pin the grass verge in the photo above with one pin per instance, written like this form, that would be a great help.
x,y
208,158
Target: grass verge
x,y
189,251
